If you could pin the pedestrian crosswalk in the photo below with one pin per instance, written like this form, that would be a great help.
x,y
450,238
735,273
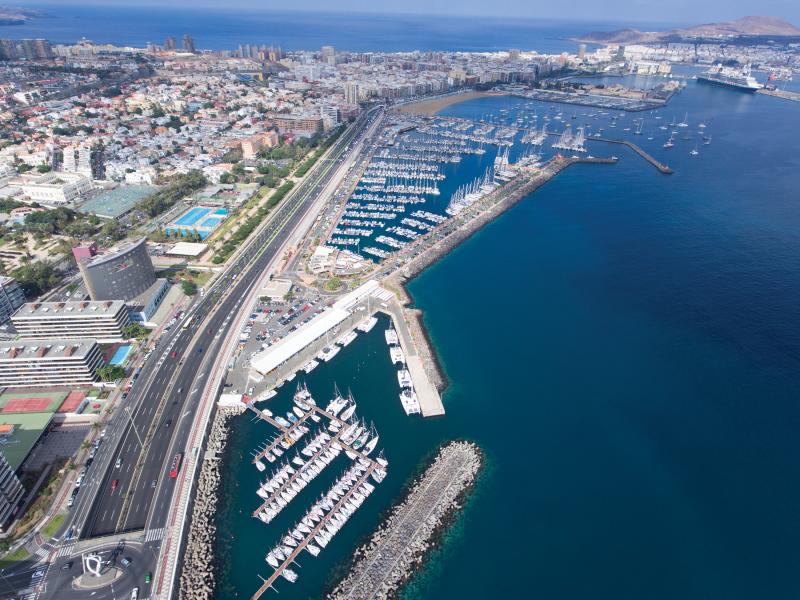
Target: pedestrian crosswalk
x,y
66,549
153,535
42,552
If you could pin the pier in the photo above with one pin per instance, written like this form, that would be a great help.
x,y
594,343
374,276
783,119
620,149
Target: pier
x,y
302,544
430,401
662,168
784,94
288,431
333,510
593,100
400,544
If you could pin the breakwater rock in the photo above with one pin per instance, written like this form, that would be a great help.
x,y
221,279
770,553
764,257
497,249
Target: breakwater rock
x,y
396,550
197,577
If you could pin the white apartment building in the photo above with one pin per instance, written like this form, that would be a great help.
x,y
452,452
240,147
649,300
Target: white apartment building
x,y
49,364
102,321
56,188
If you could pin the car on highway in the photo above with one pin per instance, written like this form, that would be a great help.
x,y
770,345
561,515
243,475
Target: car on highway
x,y
134,593
148,577
153,483
172,355
66,566
114,484
125,562
118,464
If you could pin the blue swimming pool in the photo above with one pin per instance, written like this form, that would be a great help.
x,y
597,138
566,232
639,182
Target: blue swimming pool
x,y
120,355
202,220
193,216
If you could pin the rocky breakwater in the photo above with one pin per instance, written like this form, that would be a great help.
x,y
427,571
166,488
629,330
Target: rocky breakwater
x,y
398,548
197,577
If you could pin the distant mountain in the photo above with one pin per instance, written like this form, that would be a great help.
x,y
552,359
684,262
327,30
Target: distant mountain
x,y
746,26
17,16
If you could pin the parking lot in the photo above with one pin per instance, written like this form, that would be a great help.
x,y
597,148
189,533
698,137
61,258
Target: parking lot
x,y
269,323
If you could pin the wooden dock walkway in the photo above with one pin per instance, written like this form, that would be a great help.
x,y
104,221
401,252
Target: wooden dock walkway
x,y
288,430
662,168
323,521
284,431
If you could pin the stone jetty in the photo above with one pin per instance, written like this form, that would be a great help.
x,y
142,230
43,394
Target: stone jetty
x,y
197,578
397,549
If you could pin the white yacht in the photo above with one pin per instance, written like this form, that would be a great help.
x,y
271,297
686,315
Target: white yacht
x,y
328,352
289,575
310,366
346,340
367,325
409,401
391,337
397,354
404,378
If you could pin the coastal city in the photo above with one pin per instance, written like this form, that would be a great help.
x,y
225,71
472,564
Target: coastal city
x,y
205,261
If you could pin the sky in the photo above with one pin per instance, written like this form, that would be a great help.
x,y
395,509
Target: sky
x,y
643,11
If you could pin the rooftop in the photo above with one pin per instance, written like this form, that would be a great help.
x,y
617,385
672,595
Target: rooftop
x,y
115,203
18,351
52,309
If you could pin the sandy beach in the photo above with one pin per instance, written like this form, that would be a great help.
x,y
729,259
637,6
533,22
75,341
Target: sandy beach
x,y
433,106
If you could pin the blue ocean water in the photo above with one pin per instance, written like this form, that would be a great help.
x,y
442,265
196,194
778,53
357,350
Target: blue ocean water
x,y
625,346
224,28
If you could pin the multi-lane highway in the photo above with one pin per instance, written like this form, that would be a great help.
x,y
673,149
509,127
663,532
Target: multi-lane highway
x,y
176,375
153,424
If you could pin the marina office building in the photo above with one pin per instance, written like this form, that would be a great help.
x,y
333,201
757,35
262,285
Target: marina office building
x,y
103,321
320,326
49,364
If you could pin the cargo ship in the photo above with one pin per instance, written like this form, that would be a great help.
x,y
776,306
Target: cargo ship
x,y
739,79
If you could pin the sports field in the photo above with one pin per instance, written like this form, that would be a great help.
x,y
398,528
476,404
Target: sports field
x,y
34,401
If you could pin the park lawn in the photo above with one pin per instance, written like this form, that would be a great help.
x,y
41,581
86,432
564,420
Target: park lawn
x,y
50,529
9,559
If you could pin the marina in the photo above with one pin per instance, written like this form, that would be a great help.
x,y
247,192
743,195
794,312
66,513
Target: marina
x,y
340,431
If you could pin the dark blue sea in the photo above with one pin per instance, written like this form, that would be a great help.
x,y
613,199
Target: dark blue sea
x,y
224,28
625,346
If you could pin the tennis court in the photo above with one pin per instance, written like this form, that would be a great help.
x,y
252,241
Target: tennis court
x,y
31,402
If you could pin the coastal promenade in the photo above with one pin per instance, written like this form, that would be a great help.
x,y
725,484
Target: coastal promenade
x,y
395,549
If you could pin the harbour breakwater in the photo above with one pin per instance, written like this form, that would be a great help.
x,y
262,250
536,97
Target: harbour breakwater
x,y
197,578
428,249
396,550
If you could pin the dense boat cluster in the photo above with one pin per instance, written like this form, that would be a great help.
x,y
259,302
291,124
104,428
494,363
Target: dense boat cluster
x,y
327,433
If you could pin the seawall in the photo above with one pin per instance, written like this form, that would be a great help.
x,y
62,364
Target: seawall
x,y
197,577
398,547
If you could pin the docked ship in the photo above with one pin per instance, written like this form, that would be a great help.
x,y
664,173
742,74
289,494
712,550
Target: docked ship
x,y
739,79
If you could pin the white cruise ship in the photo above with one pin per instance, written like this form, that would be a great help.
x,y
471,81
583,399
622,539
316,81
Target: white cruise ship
x,y
739,79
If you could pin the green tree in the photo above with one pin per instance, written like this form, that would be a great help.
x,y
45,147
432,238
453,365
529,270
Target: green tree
x,y
189,288
135,330
36,278
111,372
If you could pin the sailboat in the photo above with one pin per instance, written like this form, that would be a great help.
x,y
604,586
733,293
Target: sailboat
x,y
694,152
685,122
669,143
